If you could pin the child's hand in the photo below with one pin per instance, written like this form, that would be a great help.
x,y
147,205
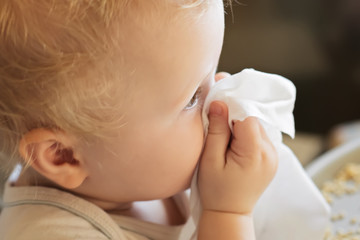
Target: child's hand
x,y
235,170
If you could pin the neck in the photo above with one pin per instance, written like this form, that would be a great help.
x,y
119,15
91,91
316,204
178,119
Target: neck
x,y
30,177
163,211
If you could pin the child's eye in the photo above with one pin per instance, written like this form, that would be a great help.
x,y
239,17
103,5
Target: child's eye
x,y
194,100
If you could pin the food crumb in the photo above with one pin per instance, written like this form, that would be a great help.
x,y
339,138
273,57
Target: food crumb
x,y
346,182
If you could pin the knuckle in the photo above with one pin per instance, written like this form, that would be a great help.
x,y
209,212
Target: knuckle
x,y
252,122
247,159
217,127
215,131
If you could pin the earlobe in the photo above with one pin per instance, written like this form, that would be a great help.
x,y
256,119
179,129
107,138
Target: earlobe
x,y
52,154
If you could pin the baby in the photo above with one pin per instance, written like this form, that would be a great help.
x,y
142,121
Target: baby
x,y
100,103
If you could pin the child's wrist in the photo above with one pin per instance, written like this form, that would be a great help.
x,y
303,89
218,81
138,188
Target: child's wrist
x,y
212,212
226,225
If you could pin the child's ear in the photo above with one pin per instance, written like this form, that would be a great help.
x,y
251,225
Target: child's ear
x,y
52,154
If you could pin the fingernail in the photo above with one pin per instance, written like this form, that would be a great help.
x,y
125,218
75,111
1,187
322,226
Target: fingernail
x,y
215,109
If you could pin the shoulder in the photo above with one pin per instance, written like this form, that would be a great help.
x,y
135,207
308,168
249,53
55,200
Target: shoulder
x,y
42,221
40,212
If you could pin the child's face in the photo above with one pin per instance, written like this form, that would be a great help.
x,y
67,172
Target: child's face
x,y
155,153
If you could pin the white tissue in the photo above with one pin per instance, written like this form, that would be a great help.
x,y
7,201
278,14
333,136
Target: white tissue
x,y
291,208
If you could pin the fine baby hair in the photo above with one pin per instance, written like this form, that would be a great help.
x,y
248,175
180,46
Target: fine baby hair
x,y
48,49
55,63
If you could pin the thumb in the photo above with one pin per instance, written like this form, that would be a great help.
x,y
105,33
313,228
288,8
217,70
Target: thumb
x,y
218,134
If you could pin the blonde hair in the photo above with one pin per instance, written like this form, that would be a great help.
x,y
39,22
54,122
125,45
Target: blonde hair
x,y
47,51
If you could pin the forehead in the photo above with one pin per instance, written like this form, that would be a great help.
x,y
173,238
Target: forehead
x,y
174,43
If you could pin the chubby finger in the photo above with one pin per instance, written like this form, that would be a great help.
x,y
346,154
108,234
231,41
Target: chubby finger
x,y
218,134
270,154
221,75
247,140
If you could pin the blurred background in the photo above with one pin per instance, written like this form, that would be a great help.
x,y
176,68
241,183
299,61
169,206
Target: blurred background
x,y
314,43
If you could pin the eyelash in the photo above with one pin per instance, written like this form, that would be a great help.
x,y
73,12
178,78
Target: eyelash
x,y
195,100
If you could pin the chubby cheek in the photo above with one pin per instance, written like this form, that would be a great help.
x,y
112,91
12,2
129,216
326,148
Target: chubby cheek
x,y
180,153
162,160
190,143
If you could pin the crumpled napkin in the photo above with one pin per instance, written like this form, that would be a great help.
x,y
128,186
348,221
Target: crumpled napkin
x,y
291,208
